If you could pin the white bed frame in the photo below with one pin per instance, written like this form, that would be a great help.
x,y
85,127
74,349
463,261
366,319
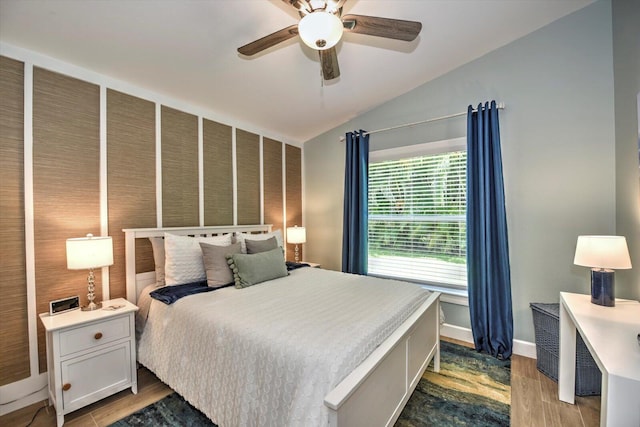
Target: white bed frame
x,y
375,393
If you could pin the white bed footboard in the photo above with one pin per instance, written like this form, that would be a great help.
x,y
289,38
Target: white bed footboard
x,y
375,393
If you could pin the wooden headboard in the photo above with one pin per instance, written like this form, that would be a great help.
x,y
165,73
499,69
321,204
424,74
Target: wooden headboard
x,y
137,281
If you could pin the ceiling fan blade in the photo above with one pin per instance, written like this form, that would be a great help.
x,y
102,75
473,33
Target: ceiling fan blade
x,y
382,27
329,62
269,41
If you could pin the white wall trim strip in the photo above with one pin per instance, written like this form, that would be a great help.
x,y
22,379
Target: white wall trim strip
x,y
104,195
32,389
200,171
261,144
234,175
159,165
29,232
284,198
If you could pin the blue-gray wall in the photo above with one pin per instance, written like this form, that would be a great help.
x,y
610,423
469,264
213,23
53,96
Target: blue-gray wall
x,y
559,153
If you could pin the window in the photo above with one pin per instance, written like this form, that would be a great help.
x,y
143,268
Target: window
x,y
417,213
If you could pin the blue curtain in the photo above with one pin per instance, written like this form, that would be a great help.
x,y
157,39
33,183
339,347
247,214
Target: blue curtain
x,y
489,278
356,204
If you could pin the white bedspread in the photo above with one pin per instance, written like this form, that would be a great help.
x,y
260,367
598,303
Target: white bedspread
x,y
268,354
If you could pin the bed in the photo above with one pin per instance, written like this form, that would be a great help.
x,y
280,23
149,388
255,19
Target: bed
x,y
234,354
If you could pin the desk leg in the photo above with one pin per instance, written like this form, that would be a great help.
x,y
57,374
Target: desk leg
x,y
567,357
620,404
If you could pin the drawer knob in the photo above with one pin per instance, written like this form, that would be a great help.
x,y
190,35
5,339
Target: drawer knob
x,y
98,335
66,387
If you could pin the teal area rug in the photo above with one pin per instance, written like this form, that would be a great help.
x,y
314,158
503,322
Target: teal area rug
x,y
471,389
172,411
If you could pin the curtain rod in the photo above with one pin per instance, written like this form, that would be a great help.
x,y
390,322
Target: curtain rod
x,y
500,107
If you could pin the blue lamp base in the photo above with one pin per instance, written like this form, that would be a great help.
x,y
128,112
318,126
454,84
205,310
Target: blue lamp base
x,y
602,287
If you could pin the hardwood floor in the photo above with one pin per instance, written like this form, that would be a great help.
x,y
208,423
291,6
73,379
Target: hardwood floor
x,y
534,399
102,413
534,402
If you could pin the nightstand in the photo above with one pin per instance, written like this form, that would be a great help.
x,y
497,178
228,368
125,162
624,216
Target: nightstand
x,y
90,355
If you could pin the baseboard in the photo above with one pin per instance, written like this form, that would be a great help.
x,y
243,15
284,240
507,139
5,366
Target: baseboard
x,y
23,393
524,348
521,348
456,332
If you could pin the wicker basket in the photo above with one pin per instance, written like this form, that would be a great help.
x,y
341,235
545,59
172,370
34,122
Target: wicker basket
x,y
547,330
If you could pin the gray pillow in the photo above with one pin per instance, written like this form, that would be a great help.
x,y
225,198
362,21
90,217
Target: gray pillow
x,y
215,263
157,243
257,246
251,269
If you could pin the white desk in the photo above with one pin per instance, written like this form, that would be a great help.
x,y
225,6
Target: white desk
x,y
610,334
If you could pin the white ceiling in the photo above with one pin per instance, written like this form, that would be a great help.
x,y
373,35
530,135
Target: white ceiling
x,y
186,50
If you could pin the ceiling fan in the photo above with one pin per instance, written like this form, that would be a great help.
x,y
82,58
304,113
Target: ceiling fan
x,y
321,27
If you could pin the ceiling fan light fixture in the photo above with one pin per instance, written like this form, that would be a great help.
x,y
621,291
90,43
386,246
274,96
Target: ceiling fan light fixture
x,y
320,30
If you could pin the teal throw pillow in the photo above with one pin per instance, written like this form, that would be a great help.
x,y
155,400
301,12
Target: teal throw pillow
x,y
251,269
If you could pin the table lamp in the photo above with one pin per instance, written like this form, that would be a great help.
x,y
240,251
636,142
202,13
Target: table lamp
x,y
88,253
604,254
296,235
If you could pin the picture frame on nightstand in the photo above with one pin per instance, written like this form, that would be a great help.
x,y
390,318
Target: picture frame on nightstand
x,y
63,305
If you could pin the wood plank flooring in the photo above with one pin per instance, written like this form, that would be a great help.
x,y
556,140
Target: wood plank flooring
x,y
534,399
534,402
102,413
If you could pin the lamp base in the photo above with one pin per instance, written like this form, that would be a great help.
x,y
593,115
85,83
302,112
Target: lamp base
x,y
91,286
602,287
92,306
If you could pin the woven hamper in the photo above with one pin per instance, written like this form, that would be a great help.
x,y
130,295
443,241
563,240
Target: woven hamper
x,y
546,326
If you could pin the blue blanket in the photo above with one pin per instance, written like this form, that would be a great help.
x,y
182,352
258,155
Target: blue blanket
x,y
171,294
294,265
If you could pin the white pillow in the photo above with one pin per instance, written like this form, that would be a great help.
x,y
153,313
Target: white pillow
x,y
183,257
261,236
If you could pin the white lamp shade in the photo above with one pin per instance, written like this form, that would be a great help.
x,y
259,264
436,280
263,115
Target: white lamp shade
x,y
602,252
89,252
296,235
320,30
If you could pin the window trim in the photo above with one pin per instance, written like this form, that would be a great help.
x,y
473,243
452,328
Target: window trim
x,y
450,293
416,150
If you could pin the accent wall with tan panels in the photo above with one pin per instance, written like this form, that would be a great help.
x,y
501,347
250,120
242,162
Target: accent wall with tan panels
x,y
93,159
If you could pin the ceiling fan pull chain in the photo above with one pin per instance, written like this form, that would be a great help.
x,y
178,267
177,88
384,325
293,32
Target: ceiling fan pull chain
x,y
321,72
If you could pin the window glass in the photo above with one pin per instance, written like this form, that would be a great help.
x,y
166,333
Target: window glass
x,y
417,214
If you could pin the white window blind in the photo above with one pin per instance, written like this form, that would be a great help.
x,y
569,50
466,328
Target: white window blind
x,y
417,218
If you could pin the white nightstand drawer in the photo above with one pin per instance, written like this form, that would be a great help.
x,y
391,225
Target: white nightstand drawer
x,y
94,334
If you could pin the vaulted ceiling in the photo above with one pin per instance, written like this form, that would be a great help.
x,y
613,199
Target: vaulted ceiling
x,y
187,50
